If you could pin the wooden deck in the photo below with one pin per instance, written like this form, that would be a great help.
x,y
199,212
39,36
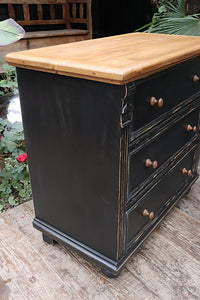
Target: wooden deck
x,y
166,267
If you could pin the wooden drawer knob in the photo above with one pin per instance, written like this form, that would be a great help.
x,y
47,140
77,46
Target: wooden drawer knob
x,y
185,171
196,78
154,101
190,128
146,213
149,163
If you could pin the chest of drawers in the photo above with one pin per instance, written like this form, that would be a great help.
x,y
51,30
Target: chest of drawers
x,y
112,135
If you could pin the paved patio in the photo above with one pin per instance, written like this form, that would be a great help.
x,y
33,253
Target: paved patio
x,y
166,267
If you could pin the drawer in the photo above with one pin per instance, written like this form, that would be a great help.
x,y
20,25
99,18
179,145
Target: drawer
x,y
158,196
160,150
173,85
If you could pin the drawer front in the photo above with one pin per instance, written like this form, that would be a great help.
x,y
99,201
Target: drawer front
x,y
158,196
173,86
142,164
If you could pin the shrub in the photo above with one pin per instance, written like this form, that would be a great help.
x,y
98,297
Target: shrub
x,y
8,78
15,185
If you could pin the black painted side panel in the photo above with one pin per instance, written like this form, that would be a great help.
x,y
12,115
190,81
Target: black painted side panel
x,y
72,136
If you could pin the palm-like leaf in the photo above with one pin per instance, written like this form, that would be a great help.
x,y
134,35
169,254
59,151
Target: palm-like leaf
x,y
10,32
176,11
175,21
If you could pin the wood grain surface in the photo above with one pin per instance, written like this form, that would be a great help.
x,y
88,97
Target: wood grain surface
x,y
117,59
53,33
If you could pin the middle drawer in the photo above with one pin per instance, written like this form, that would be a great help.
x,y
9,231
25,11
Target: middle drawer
x,y
148,160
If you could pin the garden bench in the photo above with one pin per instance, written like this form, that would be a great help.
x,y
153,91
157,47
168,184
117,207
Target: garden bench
x,y
192,6
64,21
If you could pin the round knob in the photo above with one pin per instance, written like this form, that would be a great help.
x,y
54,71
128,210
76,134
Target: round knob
x,y
190,128
185,171
154,101
146,213
196,78
149,163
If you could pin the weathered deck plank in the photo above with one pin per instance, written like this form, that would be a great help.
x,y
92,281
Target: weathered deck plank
x,y
77,272
190,204
22,270
166,267
167,270
183,231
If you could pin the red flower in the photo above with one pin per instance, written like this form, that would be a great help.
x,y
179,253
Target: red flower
x,y
0,137
22,157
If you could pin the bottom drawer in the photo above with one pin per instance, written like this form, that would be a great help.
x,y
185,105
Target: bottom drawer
x,y
158,196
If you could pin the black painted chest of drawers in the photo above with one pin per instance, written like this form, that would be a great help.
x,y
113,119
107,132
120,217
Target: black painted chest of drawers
x,y
109,158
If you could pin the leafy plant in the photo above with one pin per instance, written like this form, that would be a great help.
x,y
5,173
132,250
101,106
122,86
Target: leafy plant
x,y
15,185
171,18
10,32
8,78
12,138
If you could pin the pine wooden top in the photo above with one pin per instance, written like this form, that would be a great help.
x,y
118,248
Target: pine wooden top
x,y
117,59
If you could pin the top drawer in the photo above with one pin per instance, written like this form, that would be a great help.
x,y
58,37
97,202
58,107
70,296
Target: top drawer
x,y
173,85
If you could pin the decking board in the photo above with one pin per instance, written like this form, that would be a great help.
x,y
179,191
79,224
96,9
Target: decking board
x,y
166,267
82,275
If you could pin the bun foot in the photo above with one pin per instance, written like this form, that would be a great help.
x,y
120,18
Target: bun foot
x,y
110,274
47,239
188,191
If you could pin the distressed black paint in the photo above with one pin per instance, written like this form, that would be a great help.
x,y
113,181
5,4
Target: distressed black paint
x,y
87,143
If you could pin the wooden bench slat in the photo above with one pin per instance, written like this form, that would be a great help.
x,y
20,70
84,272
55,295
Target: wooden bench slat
x,y
74,10
66,11
39,12
33,1
33,12
52,33
41,22
11,11
77,1
89,18
81,10
192,6
52,12
26,12
76,20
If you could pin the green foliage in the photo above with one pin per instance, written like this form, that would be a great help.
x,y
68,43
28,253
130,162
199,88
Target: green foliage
x,y
12,138
8,78
10,32
171,18
15,185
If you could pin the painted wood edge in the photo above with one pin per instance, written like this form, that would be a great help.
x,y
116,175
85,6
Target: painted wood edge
x,y
70,242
